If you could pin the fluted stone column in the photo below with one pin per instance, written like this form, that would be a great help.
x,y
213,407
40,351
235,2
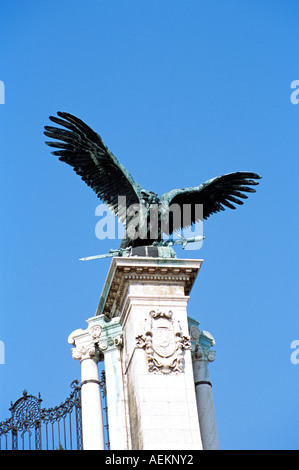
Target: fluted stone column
x,y
102,340
111,345
91,407
202,355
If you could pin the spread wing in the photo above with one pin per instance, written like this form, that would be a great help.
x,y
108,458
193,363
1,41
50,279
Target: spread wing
x,y
214,195
83,149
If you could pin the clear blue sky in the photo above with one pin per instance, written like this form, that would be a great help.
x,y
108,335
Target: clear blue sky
x,y
180,92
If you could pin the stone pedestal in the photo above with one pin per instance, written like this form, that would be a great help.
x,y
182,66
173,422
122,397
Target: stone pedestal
x,y
149,296
157,380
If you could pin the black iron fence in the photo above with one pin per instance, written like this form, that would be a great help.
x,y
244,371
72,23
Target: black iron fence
x,y
105,410
31,427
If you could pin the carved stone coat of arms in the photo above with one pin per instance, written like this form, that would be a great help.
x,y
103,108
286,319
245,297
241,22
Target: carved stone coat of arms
x,y
163,342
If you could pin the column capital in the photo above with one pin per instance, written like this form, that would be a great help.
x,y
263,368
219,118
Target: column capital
x,y
203,354
86,352
100,336
201,343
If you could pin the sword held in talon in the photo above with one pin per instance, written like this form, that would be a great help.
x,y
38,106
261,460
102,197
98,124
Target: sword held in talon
x,y
182,241
108,255
126,251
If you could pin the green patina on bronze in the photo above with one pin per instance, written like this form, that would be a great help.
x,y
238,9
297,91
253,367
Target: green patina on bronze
x,y
84,150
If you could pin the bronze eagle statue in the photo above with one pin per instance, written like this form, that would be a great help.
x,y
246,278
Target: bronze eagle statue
x,y
84,150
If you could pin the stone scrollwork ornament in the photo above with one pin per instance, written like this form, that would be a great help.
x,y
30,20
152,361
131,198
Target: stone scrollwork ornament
x,y
96,332
163,342
84,352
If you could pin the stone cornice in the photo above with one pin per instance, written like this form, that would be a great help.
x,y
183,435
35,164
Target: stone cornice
x,y
144,270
